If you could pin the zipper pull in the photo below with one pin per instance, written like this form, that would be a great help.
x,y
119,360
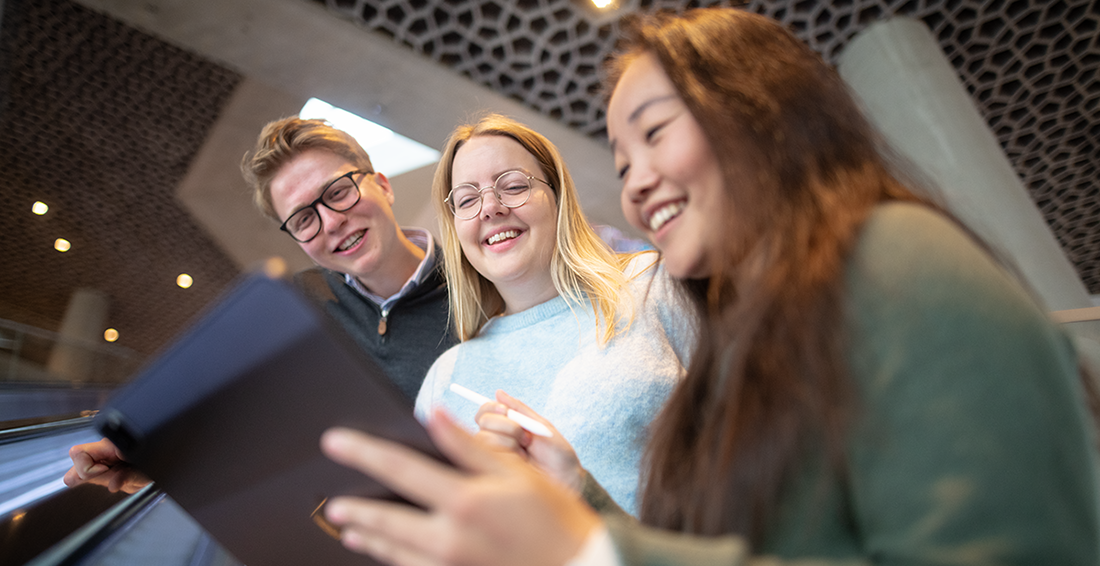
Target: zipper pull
x,y
382,323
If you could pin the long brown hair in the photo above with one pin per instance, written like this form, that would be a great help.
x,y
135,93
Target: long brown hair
x,y
802,167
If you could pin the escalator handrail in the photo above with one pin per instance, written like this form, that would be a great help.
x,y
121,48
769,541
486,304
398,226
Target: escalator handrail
x,y
16,431
75,547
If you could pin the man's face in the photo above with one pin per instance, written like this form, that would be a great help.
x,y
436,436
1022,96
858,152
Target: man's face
x,y
355,241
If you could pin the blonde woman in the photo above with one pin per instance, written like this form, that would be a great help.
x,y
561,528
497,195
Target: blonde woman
x,y
592,341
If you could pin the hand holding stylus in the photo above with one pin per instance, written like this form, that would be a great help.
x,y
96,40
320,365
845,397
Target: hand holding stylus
x,y
500,427
528,424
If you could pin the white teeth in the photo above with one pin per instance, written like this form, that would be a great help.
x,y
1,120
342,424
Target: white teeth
x,y
664,214
505,235
352,240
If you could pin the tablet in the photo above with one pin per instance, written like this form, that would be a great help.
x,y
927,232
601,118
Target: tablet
x,y
227,422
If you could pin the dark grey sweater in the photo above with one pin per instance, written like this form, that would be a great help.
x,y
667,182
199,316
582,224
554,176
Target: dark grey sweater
x,y
415,332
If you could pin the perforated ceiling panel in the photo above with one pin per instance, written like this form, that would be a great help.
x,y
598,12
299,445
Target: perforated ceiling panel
x,y
105,120
101,121
1030,65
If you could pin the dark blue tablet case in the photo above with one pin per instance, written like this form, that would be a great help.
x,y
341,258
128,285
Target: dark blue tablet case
x,y
227,422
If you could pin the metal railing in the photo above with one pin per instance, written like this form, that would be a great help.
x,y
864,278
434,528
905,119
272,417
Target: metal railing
x,y
32,355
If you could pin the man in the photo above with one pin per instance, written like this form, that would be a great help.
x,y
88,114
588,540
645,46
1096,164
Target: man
x,y
383,284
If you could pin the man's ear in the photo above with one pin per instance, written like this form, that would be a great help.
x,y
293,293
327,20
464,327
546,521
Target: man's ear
x,y
384,184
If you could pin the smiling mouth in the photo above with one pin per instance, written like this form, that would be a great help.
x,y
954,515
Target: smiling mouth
x,y
351,241
501,236
667,212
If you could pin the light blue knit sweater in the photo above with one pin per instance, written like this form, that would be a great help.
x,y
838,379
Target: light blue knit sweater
x,y
601,398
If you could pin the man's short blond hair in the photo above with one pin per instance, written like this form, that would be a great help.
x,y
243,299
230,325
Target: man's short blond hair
x,y
283,140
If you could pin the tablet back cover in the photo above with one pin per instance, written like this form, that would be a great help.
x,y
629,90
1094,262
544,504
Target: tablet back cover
x,y
227,422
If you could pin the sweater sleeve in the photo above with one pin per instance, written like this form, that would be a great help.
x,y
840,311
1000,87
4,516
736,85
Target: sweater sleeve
x,y
597,497
638,545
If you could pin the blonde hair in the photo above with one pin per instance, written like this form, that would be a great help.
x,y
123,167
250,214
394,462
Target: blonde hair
x,y
283,140
583,267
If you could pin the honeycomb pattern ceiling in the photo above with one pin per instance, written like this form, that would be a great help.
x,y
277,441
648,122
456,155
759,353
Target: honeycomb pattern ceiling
x,y
1031,67
103,120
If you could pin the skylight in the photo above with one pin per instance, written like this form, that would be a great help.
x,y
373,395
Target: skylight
x,y
391,153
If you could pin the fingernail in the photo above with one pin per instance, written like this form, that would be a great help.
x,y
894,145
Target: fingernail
x,y
334,439
352,540
335,512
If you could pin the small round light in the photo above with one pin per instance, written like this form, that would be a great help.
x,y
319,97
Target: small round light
x,y
184,280
275,267
62,245
110,335
601,4
39,208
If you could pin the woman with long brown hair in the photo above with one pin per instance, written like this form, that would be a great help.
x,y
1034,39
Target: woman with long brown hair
x,y
870,386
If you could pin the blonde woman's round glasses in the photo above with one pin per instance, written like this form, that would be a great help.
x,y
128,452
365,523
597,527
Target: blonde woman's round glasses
x,y
511,188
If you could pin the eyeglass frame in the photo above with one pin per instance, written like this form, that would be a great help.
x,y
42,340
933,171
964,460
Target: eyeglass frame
x,y
481,193
320,201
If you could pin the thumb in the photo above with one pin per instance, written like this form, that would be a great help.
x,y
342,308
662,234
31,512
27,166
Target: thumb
x,y
462,448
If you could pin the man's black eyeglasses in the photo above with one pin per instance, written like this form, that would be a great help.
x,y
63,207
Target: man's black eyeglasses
x,y
339,195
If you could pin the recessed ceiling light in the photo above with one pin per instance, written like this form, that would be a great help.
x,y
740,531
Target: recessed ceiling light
x,y
275,267
600,12
184,280
390,152
62,245
39,208
110,335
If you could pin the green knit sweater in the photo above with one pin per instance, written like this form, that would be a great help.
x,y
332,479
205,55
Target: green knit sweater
x,y
972,444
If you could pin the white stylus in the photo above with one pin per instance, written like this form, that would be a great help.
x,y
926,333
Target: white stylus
x,y
529,424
